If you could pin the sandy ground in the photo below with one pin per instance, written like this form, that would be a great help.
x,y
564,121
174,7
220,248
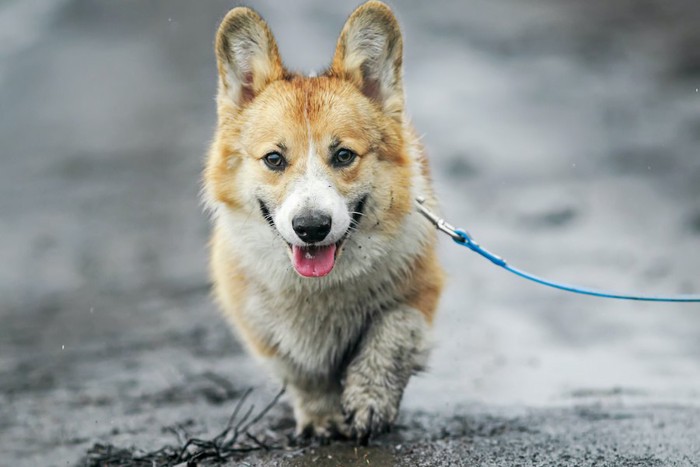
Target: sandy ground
x,y
563,134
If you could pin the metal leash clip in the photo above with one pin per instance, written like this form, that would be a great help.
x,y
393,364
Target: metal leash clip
x,y
458,235
439,222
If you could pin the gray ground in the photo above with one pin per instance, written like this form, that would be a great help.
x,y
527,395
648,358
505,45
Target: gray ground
x,y
563,134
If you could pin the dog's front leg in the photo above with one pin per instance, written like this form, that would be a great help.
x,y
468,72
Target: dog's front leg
x,y
317,408
394,347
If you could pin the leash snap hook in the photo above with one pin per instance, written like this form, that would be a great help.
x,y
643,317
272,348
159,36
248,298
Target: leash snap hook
x,y
440,224
459,236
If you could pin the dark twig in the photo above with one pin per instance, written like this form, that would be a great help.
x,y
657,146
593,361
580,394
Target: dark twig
x,y
257,441
238,406
221,447
265,410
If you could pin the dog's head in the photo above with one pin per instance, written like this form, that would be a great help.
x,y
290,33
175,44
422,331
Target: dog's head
x,y
311,156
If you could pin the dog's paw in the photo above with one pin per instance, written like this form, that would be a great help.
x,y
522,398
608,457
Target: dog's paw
x,y
322,427
369,411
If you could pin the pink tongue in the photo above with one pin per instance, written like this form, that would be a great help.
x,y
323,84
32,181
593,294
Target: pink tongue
x,y
313,261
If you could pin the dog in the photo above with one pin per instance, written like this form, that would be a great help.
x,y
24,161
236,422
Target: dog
x,y
319,259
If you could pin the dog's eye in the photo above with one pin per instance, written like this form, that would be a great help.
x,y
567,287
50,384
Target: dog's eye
x,y
275,161
343,157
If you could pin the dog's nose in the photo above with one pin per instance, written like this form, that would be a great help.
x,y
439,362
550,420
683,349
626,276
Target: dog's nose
x,y
312,227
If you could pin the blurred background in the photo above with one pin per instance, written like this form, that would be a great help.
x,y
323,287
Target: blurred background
x,y
563,134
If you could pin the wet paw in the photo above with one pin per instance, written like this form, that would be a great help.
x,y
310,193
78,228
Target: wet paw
x,y
369,412
322,427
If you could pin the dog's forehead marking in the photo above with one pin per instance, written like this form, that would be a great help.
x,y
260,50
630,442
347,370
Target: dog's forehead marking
x,y
313,167
309,137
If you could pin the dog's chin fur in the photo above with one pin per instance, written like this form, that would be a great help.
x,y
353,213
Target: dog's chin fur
x,y
345,343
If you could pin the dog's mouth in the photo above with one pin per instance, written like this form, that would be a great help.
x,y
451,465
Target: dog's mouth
x,y
314,260
318,260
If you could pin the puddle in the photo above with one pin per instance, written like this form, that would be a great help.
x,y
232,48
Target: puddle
x,y
346,456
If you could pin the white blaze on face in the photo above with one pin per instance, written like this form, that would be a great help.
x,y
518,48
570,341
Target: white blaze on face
x,y
313,192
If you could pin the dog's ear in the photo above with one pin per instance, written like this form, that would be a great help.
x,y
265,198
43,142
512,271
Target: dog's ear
x,y
369,53
246,55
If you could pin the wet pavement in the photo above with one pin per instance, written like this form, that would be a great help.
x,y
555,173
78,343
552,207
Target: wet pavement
x,y
564,135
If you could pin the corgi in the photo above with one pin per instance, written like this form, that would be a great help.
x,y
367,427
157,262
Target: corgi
x,y
319,259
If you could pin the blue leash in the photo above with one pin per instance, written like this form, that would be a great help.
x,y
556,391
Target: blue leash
x,y
461,237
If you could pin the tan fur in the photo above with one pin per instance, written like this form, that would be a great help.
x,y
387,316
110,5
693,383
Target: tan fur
x,y
382,294
423,292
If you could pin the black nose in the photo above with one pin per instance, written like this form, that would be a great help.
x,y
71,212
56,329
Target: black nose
x,y
312,227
